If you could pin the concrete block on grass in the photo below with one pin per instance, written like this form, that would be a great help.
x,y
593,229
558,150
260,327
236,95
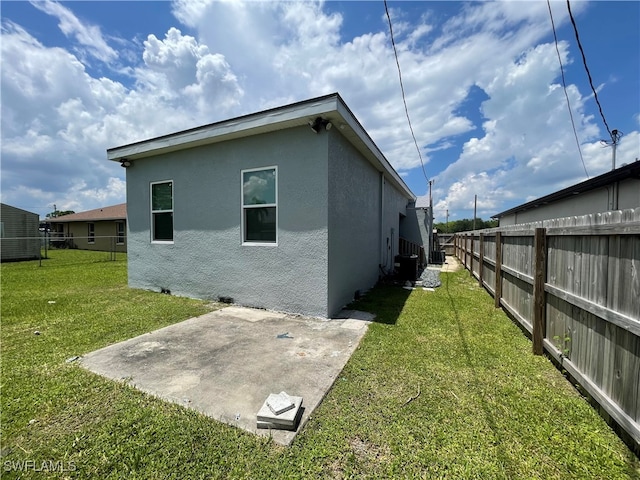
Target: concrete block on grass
x,y
285,421
279,403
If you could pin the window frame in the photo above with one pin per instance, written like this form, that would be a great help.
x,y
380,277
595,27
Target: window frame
x,y
91,233
120,236
243,208
153,212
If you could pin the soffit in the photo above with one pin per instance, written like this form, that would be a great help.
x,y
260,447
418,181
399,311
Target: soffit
x,y
330,107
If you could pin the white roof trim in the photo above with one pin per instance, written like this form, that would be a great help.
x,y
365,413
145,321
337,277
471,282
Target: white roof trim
x,y
331,107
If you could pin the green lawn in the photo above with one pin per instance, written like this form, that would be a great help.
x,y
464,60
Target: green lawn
x,y
442,386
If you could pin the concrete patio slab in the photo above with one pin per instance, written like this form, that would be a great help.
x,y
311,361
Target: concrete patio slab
x,y
226,363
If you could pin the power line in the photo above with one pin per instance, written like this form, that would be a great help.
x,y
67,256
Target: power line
x,y
584,61
564,86
406,109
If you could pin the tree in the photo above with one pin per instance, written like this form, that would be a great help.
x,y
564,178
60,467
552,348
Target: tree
x,y
59,213
464,225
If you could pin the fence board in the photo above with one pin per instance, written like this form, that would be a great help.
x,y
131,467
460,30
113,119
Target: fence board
x,y
612,269
498,272
592,307
481,261
605,313
540,276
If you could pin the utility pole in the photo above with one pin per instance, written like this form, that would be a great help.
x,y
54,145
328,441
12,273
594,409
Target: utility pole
x,y
616,135
475,206
447,222
430,205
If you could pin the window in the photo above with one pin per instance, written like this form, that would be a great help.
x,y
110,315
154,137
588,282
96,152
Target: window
x,y
120,233
162,212
91,233
259,206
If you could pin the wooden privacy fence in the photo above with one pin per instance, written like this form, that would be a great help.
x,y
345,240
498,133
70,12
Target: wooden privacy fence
x,y
407,247
574,284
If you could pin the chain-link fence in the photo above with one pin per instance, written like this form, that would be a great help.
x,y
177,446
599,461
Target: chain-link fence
x,y
51,248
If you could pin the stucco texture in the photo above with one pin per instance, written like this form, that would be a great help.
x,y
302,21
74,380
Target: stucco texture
x,y
207,258
329,226
364,215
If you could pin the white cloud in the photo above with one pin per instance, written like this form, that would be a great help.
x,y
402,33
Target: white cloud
x,y
58,120
527,143
88,37
240,57
183,68
313,62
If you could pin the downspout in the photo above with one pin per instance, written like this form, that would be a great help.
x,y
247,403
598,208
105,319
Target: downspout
x,y
612,196
383,264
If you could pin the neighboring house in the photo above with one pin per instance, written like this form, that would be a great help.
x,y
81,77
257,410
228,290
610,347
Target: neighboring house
x,y
416,228
103,229
618,189
20,238
292,209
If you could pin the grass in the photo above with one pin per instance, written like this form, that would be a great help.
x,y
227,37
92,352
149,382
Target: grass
x,y
442,386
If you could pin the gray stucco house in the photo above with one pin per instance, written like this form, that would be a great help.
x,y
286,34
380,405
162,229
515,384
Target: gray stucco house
x,y
20,238
618,189
292,209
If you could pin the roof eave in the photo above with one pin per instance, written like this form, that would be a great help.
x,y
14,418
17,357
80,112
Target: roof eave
x,y
631,170
296,114
92,219
331,107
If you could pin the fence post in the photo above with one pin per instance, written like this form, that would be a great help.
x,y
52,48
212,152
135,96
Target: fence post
x,y
481,262
498,287
466,250
471,261
455,245
539,279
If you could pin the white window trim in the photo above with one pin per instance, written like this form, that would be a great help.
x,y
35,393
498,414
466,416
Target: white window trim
x,y
124,232
152,211
242,208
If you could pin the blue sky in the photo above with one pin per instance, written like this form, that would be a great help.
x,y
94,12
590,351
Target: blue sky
x,y
482,81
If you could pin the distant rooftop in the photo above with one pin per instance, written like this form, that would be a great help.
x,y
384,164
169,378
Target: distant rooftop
x,y
631,170
114,212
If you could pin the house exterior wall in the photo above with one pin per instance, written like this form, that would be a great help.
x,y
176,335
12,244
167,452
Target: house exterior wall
x,y
395,208
363,209
595,201
20,235
207,258
354,222
417,227
105,233
629,194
